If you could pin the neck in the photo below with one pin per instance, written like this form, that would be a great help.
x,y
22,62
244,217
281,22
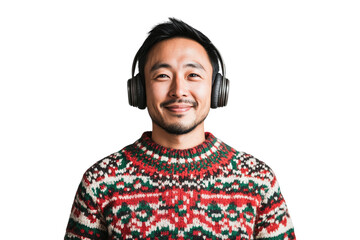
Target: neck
x,y
182,141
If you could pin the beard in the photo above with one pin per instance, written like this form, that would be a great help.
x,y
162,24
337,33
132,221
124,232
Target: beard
x,y
179,128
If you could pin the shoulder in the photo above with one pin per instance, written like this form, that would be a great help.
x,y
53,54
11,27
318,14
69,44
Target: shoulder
x,y
107,167
250,170
246,165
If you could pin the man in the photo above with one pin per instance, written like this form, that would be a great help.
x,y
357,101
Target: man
x,y
178,182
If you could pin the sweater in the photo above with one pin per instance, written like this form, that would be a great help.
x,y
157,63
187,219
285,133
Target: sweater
x,y
211,191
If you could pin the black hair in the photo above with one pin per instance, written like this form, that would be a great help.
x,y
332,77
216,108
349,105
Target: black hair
x,y
171,29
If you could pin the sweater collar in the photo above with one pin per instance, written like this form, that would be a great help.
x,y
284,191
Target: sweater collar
x,y
204,158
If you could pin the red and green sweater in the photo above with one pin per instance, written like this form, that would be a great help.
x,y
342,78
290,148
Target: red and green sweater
x,y
211,191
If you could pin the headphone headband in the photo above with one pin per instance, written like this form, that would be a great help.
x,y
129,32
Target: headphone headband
x,y
222,64
134,64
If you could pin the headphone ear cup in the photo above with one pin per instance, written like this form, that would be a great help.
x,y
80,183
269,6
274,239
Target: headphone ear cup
x,y
220,91
224,93
215,91
140,93
136,92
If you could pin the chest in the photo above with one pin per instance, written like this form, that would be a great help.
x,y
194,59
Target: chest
x,y
208,210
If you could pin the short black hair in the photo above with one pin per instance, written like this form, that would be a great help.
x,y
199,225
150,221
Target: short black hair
x,y
171,29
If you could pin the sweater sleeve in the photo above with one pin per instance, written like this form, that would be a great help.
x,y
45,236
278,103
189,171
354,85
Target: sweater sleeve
x,y
86,221
273,221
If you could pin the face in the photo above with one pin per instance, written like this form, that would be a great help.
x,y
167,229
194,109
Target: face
x,y
178,81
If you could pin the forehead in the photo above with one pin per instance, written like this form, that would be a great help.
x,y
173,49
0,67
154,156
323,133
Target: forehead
x,y
177,50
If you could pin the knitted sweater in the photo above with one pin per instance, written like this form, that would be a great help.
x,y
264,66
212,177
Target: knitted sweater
x,y
211,191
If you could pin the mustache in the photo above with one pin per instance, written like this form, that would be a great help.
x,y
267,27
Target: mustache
x,y
192,102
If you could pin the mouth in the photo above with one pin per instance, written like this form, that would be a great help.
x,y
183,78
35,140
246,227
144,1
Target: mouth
x,y
179,106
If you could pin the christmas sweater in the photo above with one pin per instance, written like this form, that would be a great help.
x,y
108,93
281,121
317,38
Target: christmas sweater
x,y
211,191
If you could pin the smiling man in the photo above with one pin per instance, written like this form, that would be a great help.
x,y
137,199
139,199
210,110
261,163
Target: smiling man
x,y
178,181
178,82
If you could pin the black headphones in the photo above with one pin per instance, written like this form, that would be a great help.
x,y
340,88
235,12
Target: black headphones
x,y
219,92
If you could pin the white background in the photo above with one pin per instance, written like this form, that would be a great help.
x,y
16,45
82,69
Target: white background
x,y
294,101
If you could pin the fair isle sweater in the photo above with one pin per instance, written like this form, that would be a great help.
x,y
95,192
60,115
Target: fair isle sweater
x,y
211,191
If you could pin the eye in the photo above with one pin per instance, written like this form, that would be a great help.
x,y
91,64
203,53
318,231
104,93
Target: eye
x,y
194,75
162,76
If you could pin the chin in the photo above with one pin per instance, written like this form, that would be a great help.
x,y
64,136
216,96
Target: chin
x,y
178,127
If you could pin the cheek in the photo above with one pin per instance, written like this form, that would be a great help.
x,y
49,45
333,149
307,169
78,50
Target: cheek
x,y
154,94
203,93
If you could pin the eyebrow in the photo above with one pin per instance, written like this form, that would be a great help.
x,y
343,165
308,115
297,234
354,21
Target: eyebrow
x,y
159,65
195,65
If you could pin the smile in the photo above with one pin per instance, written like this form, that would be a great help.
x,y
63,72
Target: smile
x,y
178,108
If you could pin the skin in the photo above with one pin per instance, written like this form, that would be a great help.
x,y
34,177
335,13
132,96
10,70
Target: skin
x,y
178,77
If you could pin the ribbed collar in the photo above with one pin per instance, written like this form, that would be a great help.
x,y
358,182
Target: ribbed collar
x,y
204,158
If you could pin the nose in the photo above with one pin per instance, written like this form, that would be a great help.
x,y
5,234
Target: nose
x,y
178,88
